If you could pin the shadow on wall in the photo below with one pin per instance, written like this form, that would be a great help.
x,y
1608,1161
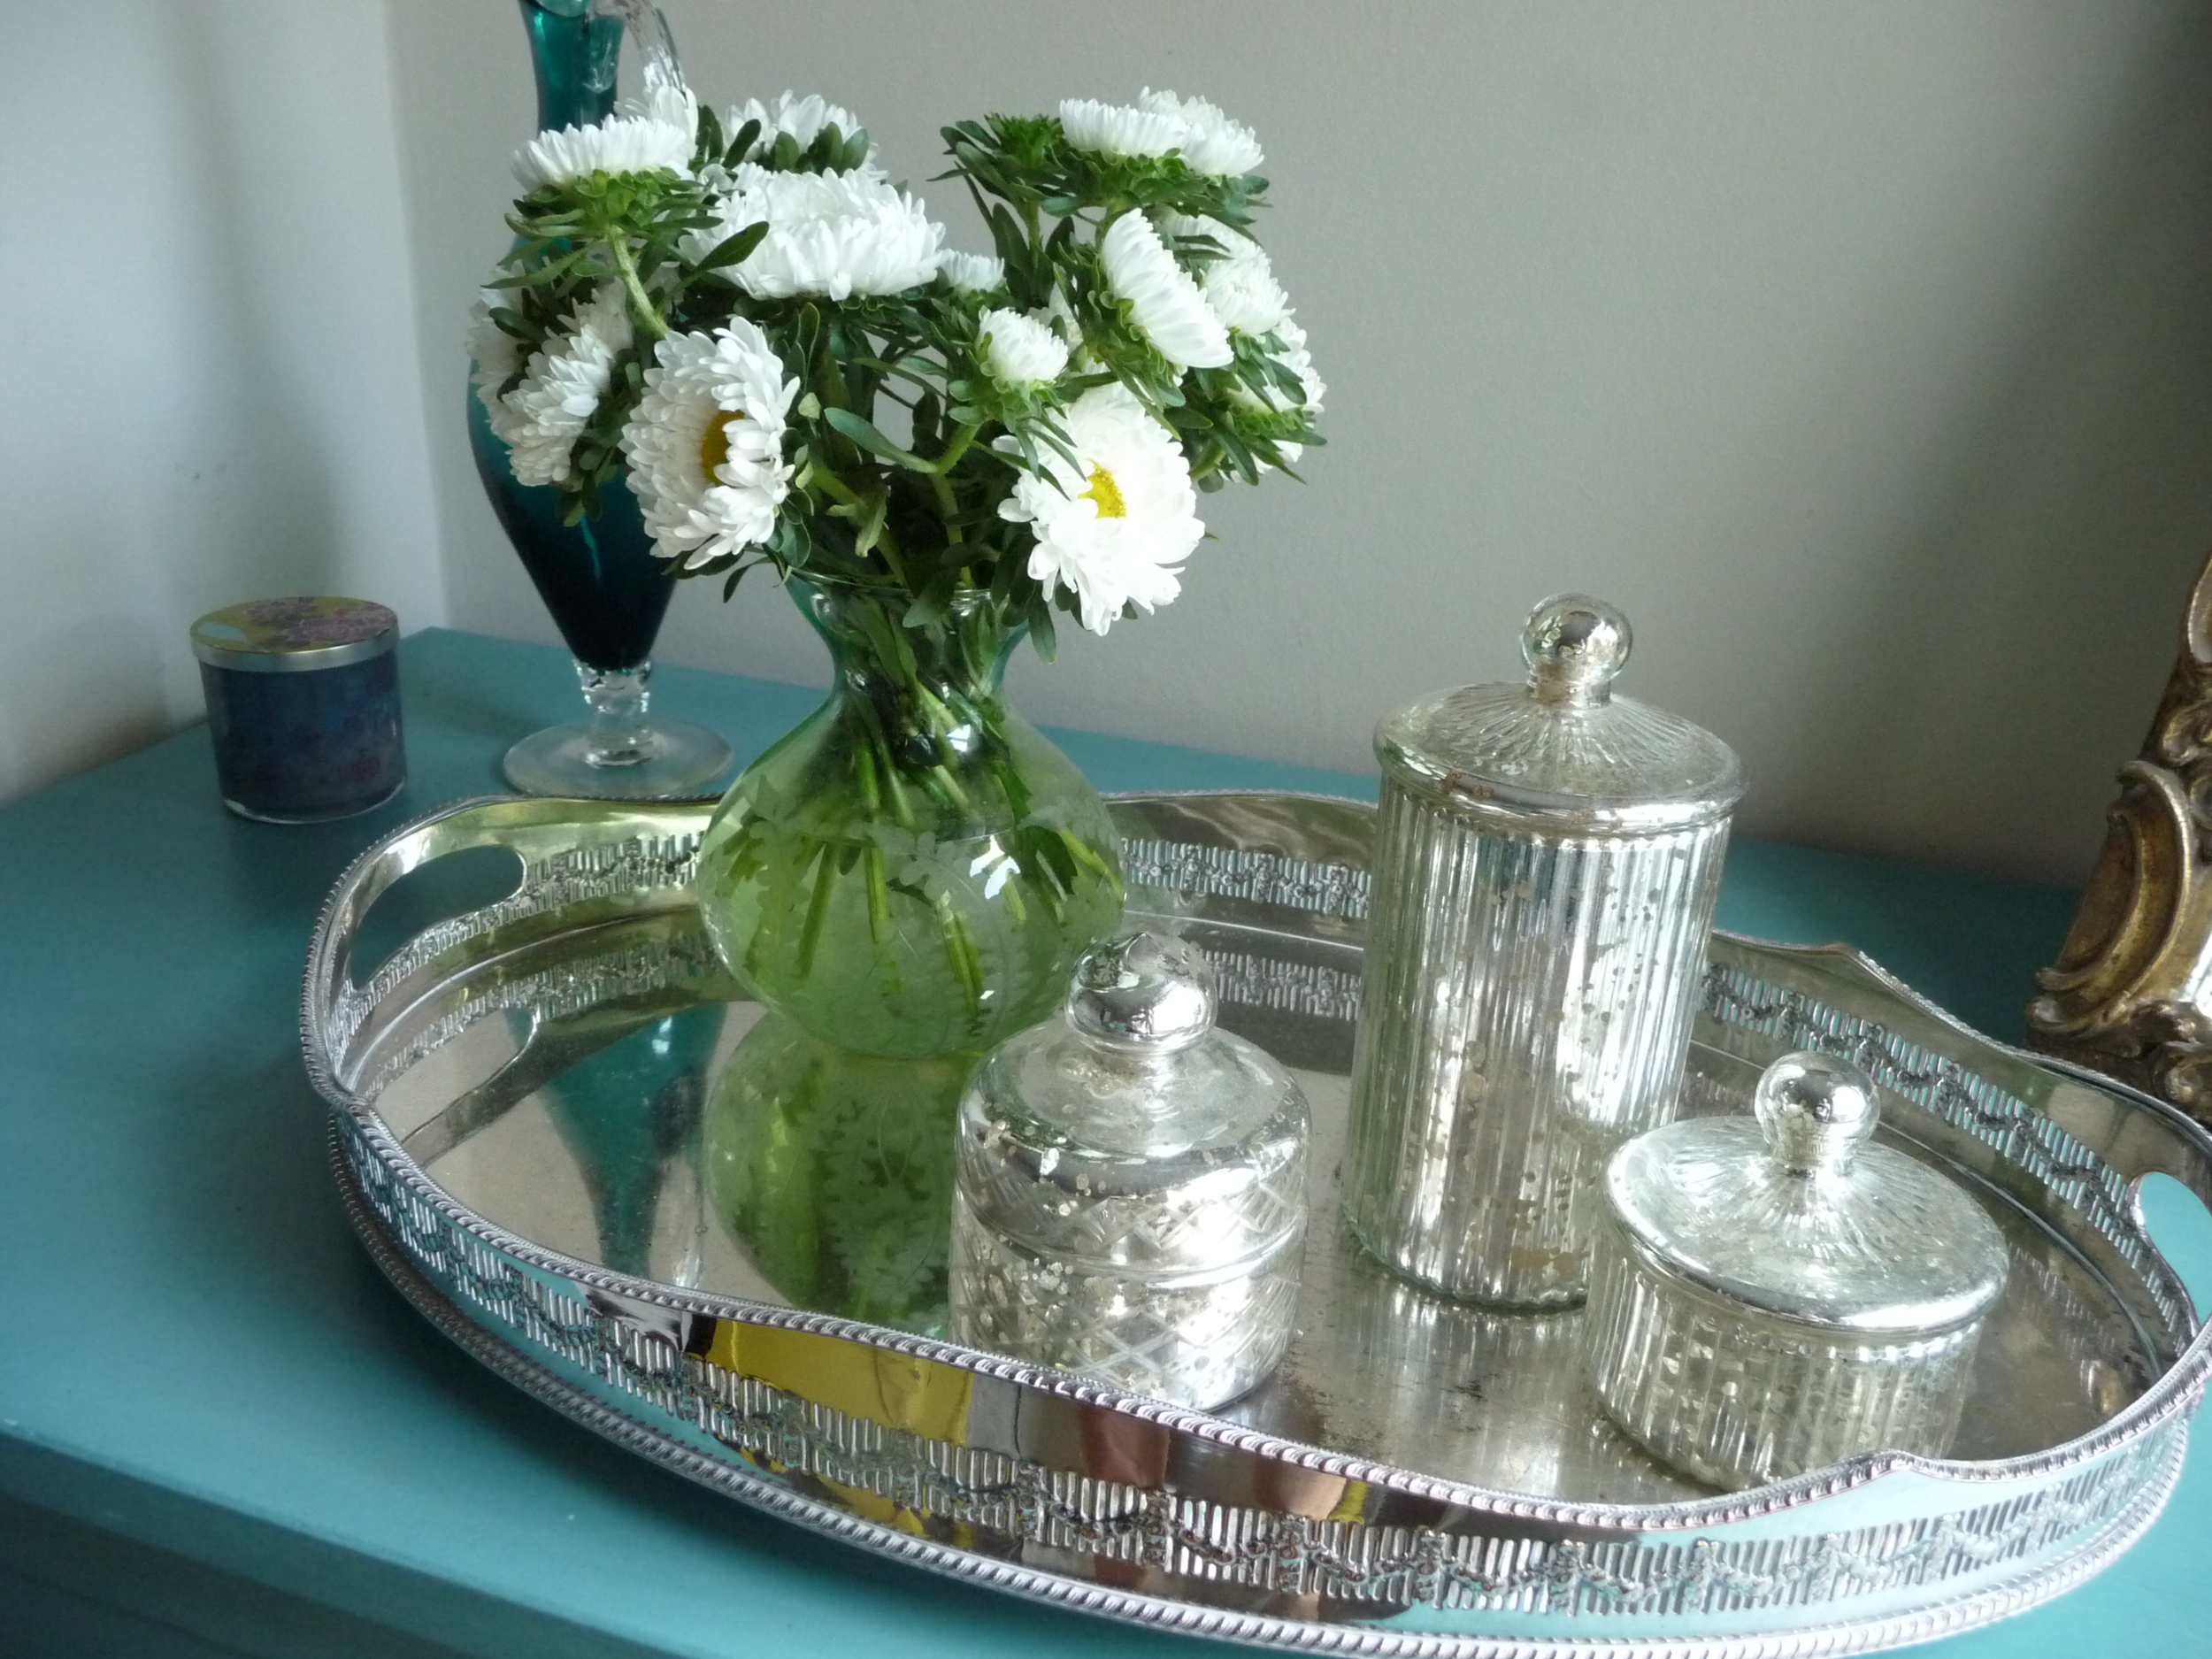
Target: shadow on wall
x,y
2082,458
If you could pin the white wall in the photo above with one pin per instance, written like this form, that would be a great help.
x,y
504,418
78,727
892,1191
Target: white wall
x,y
209,354
1864,353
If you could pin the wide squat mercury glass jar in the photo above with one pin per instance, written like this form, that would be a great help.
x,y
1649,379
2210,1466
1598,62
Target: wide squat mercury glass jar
x,y
1129,1190
1772,1296
1545,875
912,872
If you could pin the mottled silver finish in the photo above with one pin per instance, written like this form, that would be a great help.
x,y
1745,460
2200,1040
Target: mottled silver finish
x,y
1131,1187
1550,860
1770,1294
1419,1476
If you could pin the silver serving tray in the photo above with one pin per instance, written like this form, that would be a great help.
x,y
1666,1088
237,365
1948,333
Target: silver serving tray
x,y
1420,1478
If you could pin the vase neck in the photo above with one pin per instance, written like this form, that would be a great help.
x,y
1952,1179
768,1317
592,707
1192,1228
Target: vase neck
x,y
572,53
960,656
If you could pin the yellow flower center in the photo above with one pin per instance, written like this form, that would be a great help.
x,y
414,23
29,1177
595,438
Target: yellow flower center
x,y
714,443
1107,494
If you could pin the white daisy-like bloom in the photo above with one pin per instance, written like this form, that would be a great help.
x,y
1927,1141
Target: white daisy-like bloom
x,y
972,272
493,357
803,118
1165,304
658,131
1212,144
1021,351
834,234
562,385
1241,287
1116,129
705,446
1115,531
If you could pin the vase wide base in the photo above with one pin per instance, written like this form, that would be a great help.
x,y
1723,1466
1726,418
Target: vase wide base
x,y
683,759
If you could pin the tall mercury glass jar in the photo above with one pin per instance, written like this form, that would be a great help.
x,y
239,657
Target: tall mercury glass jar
x,y
1546,866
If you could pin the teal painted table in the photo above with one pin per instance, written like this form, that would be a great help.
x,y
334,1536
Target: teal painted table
x,y
221,1433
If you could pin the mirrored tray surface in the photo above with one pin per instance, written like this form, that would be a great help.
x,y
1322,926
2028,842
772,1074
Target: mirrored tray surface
x,y
572,1142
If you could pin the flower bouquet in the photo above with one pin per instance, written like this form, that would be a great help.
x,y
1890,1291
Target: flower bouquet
x,y
937,452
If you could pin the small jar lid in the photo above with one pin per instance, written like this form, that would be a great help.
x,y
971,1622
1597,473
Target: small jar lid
x,y
1561,749
1795,1214
279,636
1142,992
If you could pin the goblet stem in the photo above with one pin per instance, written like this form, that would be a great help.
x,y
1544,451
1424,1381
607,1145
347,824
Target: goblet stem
x,y
618,734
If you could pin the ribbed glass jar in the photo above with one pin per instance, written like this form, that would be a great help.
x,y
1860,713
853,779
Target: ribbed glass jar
x,y
1771,1296
1545,878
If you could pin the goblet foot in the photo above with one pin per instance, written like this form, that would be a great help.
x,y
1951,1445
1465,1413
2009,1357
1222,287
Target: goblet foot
x,y
617,754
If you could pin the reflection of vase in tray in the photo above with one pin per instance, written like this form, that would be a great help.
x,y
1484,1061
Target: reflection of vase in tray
x,y
912,871
629,1116
598,576
833,1173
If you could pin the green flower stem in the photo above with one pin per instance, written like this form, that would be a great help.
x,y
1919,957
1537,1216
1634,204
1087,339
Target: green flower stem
x,y
642,311
818,910
878,896
967,964
954,450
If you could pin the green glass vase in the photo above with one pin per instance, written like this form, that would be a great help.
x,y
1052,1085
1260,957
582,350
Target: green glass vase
x,y
833,1173
913,871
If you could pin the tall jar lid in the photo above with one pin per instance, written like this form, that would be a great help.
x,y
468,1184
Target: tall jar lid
x,y
1794,1213
280,636
1561,749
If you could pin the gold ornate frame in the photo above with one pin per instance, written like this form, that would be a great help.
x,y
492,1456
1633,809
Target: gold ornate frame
x,y
2130,993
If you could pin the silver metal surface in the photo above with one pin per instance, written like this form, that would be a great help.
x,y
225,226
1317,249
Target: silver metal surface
x,y
1548,861
1129,1199
1419,1478
1770,1294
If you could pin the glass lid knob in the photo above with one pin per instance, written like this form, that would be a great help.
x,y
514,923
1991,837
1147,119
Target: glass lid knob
x,y
1818,1111
1574,645
1142,992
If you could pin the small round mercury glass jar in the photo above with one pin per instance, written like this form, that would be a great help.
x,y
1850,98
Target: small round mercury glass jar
x,y
1130,1192
1772,1296
303,706
1546,868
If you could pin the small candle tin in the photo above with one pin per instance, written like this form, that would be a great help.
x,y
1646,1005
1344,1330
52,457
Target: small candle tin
x,y
1546,868
1771,1296
303,706
1130,1188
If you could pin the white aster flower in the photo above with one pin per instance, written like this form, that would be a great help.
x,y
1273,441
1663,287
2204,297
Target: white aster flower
x,y
493,357
803,118
1212,144
1021,351
1241,287
1165,303
832,234
972,272
562,385
1114,129
657,131
1117,531
705,446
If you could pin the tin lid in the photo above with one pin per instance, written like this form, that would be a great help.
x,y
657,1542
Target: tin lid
x,y
1561,750
1796,1215
278,637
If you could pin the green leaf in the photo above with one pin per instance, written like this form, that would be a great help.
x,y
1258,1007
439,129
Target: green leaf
x,y
733,250
748,136
863,432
